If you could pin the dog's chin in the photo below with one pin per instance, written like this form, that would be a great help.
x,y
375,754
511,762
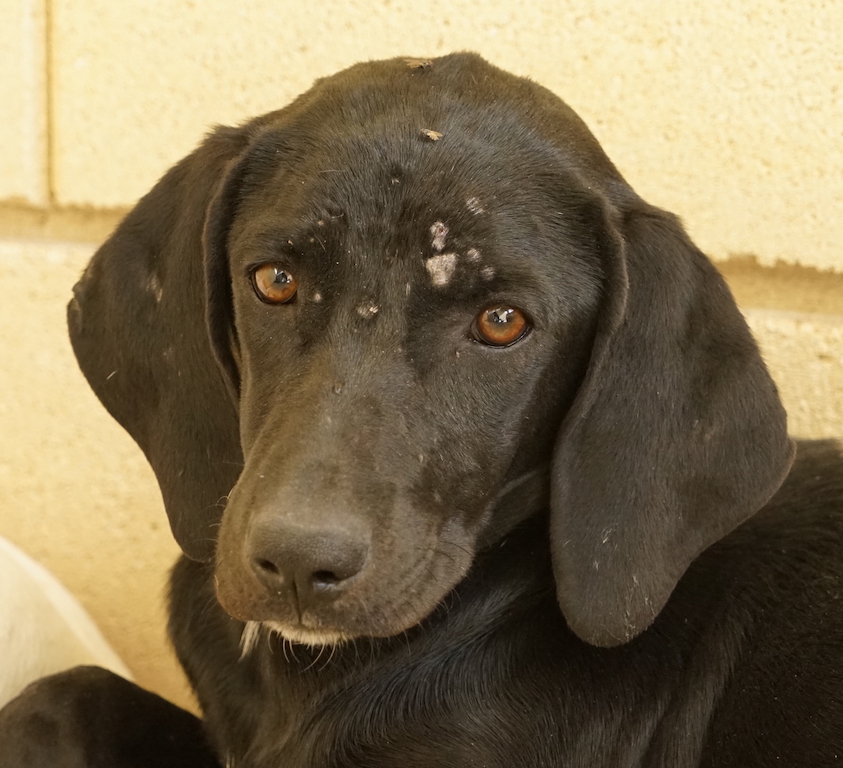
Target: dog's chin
x,y
253,631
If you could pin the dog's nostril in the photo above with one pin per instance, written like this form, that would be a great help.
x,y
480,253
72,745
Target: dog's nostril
x,y
268,566
322,579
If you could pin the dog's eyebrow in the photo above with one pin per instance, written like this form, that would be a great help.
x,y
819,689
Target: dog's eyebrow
x,y
282,239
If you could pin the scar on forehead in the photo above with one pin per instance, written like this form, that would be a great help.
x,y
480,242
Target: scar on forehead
x,y
473,205
438,231
441,268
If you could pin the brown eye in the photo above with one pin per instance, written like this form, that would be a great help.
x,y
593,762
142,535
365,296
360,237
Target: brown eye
x,y
273,284
500,326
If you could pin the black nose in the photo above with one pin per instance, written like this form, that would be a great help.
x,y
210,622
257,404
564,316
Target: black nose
x,y
317,562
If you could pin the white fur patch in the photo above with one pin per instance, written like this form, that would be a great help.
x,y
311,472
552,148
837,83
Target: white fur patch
x,y
313,638
473,255
249,638
487,273
367,310
473,205
441,268
438,231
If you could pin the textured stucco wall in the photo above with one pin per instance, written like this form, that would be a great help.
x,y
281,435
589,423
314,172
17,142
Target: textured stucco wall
x,y
23,101
730,114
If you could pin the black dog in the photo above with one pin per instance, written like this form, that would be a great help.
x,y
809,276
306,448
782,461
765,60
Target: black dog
x,y
471,455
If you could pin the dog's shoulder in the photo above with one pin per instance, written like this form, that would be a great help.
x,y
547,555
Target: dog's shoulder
x,y
785,564
799,533
782,579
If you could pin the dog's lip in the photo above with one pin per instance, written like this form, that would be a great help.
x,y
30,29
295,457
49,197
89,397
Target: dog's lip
x,y
294,633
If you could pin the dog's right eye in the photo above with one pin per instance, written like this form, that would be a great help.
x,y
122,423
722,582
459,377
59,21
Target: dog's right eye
x,y
273,284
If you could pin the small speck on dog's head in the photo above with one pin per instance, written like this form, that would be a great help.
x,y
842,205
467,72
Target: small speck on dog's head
x,y
419,63
367,310
155,288
473,205
438,233
430,134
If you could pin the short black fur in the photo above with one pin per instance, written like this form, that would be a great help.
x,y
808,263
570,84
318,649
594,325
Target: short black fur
x,y
591,547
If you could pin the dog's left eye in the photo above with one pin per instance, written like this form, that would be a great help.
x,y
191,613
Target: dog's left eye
x,y
500,326
273,284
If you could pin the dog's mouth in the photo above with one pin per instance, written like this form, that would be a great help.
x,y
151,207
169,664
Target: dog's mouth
x,y
256,631
362,608
395,589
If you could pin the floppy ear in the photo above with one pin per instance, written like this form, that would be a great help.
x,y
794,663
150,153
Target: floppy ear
x,y
138,328
676,436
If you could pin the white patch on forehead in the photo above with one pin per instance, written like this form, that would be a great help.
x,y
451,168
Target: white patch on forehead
x,y
473,205
438,231
473,255
441,268
317,297
487,273
367,310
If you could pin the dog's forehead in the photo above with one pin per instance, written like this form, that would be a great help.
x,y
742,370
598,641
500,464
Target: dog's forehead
x,y
449,169
380,181
454,127
448,215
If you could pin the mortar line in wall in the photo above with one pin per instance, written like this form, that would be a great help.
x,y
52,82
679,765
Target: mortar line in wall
x,y
49,106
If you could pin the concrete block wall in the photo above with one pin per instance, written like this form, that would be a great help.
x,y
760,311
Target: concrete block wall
x,y
729,114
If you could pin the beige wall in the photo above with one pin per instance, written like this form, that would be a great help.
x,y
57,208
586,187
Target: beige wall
x,y
730,114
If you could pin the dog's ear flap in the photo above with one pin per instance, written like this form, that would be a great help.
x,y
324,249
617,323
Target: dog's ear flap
x,y
138,328
676,436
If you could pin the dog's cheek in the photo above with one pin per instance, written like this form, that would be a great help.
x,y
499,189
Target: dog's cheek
x,y
480,412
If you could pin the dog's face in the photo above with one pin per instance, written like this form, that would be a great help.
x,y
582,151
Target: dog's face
x,y
423,289
412,318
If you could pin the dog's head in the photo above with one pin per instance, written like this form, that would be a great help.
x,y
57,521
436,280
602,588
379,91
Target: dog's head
x,y
357,337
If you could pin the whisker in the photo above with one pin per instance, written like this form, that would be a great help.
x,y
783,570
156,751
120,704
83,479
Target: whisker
x,y
458,546
249,638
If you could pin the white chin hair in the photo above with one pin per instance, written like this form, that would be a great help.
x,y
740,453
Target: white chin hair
x,y
313,638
